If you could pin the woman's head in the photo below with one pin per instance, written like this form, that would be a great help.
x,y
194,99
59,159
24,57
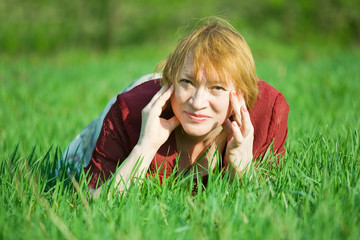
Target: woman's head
x,y
218,49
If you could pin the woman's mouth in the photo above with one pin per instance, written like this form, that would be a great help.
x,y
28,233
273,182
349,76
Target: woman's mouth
x,y
197,117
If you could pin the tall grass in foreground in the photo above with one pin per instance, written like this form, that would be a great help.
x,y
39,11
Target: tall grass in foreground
x,y
313,194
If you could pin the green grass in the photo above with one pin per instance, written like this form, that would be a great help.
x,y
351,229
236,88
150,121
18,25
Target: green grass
x,y
46,101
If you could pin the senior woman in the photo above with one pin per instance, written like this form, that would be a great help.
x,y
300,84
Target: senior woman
x,y
208,103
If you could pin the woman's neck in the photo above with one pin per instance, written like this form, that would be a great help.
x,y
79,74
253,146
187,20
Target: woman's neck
x,y
193,146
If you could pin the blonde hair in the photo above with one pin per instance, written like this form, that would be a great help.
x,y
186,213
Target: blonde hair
x,y
220,48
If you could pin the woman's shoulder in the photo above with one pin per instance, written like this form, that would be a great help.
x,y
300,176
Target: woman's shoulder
x,y
138,97
124,116
268,96
270,102
266,90
143,91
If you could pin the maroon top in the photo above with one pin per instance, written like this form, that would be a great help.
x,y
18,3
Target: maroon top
x,y
121,130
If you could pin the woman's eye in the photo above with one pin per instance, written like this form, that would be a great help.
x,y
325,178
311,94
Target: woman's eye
x,y
186,81
218,88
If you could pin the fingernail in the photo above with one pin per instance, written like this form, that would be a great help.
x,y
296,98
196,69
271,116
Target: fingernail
x,y
243,107
234,124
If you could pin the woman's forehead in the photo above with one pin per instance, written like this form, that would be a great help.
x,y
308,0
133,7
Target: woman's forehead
x,y
204,72
189,67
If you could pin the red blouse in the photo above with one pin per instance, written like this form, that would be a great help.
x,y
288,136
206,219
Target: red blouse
x,y
121,130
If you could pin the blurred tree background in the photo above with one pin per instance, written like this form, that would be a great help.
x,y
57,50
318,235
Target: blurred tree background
x,y
45,26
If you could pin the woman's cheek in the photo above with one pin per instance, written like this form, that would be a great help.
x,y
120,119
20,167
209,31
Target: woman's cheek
x,y
222,103
223,107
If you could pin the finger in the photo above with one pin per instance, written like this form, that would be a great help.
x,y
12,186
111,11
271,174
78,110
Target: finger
x,y
158,94
241,98
156,104
168,96
247,126
173,123
235,103
237,132
163,98
232,129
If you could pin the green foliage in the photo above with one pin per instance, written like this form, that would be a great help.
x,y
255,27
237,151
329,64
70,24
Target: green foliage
x,y
307,197
44,26
313,194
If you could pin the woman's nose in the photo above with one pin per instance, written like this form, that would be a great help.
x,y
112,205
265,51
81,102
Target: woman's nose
x,y
199,99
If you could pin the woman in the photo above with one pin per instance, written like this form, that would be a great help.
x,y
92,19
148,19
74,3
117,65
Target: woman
x,y
209,102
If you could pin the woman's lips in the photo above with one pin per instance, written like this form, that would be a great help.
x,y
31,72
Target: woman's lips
x,y
197,117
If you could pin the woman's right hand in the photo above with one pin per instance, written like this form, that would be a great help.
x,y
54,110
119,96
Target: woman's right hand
x,y
154,129
154,133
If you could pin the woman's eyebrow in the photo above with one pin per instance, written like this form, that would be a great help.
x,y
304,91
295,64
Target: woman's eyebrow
x,y
187,74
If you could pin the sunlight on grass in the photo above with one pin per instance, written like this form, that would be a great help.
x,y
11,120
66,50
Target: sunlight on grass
x,y
313,193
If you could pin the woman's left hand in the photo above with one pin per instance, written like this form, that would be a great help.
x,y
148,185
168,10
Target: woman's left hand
x,y
240,133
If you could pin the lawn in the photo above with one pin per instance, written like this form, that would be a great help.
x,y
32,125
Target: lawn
x,y
315,194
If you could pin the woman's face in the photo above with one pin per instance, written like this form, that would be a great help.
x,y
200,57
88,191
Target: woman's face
x,y
200,105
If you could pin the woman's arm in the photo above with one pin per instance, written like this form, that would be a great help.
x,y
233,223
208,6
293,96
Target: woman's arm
x,y
134,167
154,132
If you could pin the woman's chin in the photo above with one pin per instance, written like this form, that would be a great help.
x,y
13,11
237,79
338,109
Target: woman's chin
x,y
196,131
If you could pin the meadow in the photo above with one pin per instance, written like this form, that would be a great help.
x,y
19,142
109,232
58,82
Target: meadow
x,y
313,194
